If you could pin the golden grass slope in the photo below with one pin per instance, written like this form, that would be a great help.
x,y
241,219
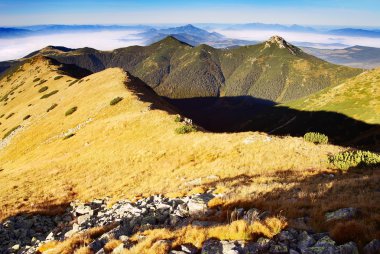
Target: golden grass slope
x,y
131,149
121,149
358,98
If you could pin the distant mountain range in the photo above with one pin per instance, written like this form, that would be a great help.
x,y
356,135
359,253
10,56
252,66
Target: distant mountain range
x,y
357,56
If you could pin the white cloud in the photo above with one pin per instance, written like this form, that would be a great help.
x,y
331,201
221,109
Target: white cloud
x,y
259,35
106,40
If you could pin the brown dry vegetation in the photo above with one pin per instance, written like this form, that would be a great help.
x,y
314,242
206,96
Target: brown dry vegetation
x,y
128,150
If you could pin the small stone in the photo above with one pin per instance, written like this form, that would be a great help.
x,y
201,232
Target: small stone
x,y
348,248
16,247
83,219
341,214
305,241
372,247
278,249
325,241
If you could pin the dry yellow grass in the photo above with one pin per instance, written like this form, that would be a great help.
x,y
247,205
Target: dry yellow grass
x,y
162,240
128,150
121,149
78,243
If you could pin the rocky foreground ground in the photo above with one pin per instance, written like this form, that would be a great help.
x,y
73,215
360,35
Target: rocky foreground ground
x,y
25,233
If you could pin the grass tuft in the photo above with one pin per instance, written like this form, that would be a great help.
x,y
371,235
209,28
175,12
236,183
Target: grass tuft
x,y
52,107
49,94
71,111
43,89
26,117
185,129
116,100
58,77
10,131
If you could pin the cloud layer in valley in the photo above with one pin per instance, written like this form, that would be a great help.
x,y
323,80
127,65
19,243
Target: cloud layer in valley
x,y
299,37
14,48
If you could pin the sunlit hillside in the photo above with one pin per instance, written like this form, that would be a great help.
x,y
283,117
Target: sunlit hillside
x,y
108,134
358,98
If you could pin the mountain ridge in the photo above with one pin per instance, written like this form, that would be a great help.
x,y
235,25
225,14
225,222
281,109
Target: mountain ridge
x,y
177,70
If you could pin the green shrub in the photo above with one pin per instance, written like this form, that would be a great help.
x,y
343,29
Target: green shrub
x,y
10,131
116,101
73,82
70,111
49,94
350,159
36,79
69,136
178,119
58,77
52,107
316,138
43,89
185,129
26,117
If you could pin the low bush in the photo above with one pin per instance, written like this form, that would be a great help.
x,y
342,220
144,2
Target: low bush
x,y
26,117
52,107
70,111
10,131
73,82
178,119
350,159
58,77
69,136
116,100
49,94
316,138
185,129
43,89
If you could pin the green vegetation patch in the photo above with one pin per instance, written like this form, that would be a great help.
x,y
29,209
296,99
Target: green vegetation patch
x,y
351,159
10,131
178,119
116,100
52,107
69,136
185,129
49,94
70,111
58,77
26,117
43,89
316,138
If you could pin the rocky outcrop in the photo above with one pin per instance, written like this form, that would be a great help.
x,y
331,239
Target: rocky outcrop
x,y
25,233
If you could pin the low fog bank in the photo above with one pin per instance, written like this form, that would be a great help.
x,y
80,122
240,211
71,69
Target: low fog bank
x,y
14,48
303,38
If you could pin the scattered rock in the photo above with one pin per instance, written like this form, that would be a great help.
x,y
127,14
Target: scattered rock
x,y
341,214
372,247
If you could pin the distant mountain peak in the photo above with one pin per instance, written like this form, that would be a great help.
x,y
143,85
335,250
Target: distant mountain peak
x,y
281,43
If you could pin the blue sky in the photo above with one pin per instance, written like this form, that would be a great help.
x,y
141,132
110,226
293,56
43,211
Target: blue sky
x,y
304,12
